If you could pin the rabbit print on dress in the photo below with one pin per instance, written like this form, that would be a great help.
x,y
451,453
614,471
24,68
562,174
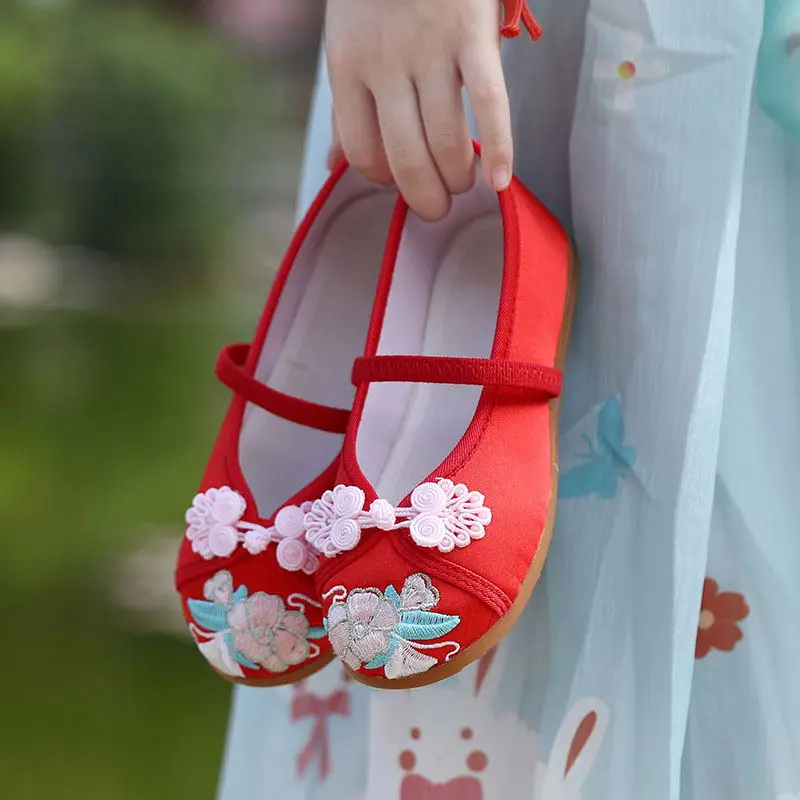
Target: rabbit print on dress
x,y
440,744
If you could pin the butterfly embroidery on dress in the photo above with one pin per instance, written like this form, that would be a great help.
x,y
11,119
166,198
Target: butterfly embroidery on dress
x,y
607,460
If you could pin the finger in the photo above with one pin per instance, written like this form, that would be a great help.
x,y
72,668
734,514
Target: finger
x,y
356,121
335,153
410,160
446,129
483,76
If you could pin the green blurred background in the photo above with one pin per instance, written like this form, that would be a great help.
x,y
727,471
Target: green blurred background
x,y
149,154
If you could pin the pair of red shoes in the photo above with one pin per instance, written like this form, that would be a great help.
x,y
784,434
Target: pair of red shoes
x,y
401,529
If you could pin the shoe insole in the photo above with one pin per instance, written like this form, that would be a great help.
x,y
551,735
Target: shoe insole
x,y
461,322
326,333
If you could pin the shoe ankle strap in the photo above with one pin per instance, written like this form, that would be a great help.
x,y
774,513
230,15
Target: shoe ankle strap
x,y
468,371
231,372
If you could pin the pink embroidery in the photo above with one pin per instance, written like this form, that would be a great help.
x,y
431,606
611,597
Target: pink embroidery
x,y
305,704
264,632
415,787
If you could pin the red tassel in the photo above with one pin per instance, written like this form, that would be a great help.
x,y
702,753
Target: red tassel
x,y
516,12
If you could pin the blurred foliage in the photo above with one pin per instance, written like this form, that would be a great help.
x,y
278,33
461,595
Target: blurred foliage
x,y
137,134
117,132
106,425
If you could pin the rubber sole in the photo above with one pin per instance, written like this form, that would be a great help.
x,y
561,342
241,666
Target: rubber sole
x,y
284,679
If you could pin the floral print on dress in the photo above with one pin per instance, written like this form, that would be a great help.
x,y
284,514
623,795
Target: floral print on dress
x,y
234,630
719,614
383,629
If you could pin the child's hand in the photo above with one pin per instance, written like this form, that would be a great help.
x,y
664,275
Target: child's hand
x,y
396,69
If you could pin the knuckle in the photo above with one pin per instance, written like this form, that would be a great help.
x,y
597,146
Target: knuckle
x,y
447,142
490,91
411,167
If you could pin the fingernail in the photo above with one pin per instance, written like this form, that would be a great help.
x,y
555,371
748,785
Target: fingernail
x,y
501,177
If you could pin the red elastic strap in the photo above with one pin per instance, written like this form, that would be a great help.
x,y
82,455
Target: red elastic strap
x,y
517,11
460,371
230,370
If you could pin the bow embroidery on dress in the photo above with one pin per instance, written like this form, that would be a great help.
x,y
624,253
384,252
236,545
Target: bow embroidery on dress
x,y
307,705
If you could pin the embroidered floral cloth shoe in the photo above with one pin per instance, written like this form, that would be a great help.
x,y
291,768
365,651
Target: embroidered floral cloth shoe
x,y
438,527
245,570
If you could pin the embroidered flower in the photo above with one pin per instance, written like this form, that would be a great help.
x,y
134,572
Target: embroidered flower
x,y
219,589
384,629
361,628
418,594
382,515
212,521
719,614
265,633
233,630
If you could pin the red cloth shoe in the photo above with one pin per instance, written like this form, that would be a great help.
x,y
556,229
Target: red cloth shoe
x,y
439,524
245,570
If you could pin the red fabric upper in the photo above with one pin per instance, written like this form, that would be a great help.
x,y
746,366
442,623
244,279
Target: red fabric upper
x,y
506,451
236,366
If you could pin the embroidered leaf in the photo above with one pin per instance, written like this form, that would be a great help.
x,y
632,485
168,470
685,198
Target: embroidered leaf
x,y
239,594
211,616
392,594
421,626
317,632
383,659
243,660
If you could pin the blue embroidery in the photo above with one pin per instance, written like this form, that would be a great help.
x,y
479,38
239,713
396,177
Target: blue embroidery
x,y
240,594
318,633
241,658
392,594
604,464
383,659
208,615
423,626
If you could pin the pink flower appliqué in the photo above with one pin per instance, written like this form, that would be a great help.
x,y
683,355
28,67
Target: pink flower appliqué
x,y
212,522
264,632
361,628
